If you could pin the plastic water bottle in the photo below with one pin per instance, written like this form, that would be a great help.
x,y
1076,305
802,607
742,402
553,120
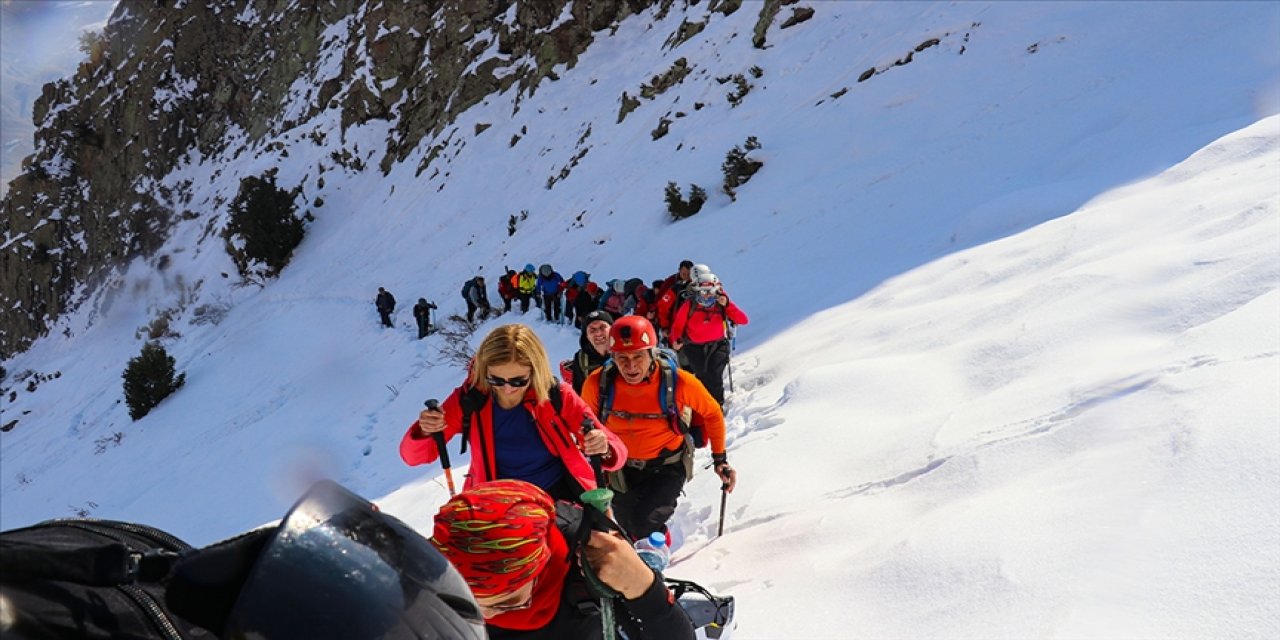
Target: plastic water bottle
x,y
653,550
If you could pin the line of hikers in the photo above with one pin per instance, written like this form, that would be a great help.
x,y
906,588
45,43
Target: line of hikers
x,y
516,554
626,403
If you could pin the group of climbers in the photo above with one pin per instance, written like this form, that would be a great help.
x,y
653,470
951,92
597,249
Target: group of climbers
x,y
628,401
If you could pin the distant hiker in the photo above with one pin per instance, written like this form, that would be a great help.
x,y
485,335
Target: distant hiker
x,y
520,423
386,305
632,289
593,349
614,299
473,292
701,332
661,413
647,303
335,567
526,285
588,300
669,296
523,555
422,313
507,289
550,284
571,291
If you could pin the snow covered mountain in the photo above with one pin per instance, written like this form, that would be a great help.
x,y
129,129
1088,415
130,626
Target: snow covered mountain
x,y
1012,365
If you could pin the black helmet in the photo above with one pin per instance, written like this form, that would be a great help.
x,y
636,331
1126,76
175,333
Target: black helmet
x,y
336,567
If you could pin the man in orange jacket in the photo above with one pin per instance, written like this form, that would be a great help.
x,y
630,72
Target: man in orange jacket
x,y
660,455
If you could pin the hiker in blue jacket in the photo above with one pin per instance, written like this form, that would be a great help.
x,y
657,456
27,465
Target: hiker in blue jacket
x,y
550,284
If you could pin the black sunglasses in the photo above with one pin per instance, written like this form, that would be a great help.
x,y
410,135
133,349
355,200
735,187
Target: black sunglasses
x,y
495,381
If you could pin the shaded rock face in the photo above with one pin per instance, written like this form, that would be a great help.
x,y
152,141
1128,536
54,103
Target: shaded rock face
x,y
200,77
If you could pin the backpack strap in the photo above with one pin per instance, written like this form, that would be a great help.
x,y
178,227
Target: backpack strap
x,y
666,393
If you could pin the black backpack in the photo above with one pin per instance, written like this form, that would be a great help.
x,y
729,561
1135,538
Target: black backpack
x,y
99,579
91,579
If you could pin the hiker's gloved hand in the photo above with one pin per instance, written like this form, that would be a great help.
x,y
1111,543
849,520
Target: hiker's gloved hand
x,y
430,422
595,443
722,300
616,564
727,475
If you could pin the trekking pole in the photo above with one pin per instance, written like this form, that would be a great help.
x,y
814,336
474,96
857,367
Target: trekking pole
x,y
724,497
600,498
434,405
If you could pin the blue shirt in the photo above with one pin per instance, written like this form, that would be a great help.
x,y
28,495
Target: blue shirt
x,y
519,450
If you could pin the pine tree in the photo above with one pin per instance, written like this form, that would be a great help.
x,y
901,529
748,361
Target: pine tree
x,y
148,379
262,215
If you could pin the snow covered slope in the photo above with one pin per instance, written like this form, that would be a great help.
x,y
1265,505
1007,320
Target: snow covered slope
x,y
1012,364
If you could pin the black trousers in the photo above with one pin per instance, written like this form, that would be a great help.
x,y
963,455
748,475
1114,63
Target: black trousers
x,y
473,307
424,327
650,499
524,302
386,318
708,362
551,307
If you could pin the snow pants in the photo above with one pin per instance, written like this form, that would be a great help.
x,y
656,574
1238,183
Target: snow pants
x,y
708,361
650,498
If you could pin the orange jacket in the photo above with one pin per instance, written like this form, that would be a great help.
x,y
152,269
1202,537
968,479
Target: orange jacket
x,y
647,438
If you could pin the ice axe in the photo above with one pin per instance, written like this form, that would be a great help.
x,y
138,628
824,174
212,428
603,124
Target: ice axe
x,y
434,405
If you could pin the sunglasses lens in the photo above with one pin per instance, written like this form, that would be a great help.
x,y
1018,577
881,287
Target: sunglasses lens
x,y
495,381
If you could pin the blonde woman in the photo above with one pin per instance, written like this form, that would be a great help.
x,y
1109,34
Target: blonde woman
x,y
518,422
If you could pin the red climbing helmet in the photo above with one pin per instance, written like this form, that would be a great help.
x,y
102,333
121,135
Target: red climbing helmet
x,y
632,333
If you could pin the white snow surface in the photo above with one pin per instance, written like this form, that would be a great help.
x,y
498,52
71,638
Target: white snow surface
x,y
1013,365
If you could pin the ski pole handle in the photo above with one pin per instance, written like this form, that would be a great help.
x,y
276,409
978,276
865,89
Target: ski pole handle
x,y
597,460
442,448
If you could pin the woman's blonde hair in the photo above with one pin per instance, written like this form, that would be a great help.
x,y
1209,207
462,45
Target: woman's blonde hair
x,y
513,343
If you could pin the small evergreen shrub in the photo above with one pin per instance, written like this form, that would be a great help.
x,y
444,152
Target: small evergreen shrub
x,y
740,91
149,378
738,168
678,207
264,226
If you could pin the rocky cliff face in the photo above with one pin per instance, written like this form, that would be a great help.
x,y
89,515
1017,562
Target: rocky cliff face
x,y
169,81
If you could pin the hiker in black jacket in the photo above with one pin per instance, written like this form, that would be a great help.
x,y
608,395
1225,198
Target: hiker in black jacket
x,y
422,313
593,349
386,305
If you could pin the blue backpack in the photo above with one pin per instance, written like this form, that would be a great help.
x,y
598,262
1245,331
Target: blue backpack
x,y
668,365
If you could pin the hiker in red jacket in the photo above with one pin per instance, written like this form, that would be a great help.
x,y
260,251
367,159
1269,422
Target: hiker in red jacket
x,y
522,424
700,332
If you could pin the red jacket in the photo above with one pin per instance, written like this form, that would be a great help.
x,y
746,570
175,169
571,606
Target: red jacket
x,y
700,325
562,435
